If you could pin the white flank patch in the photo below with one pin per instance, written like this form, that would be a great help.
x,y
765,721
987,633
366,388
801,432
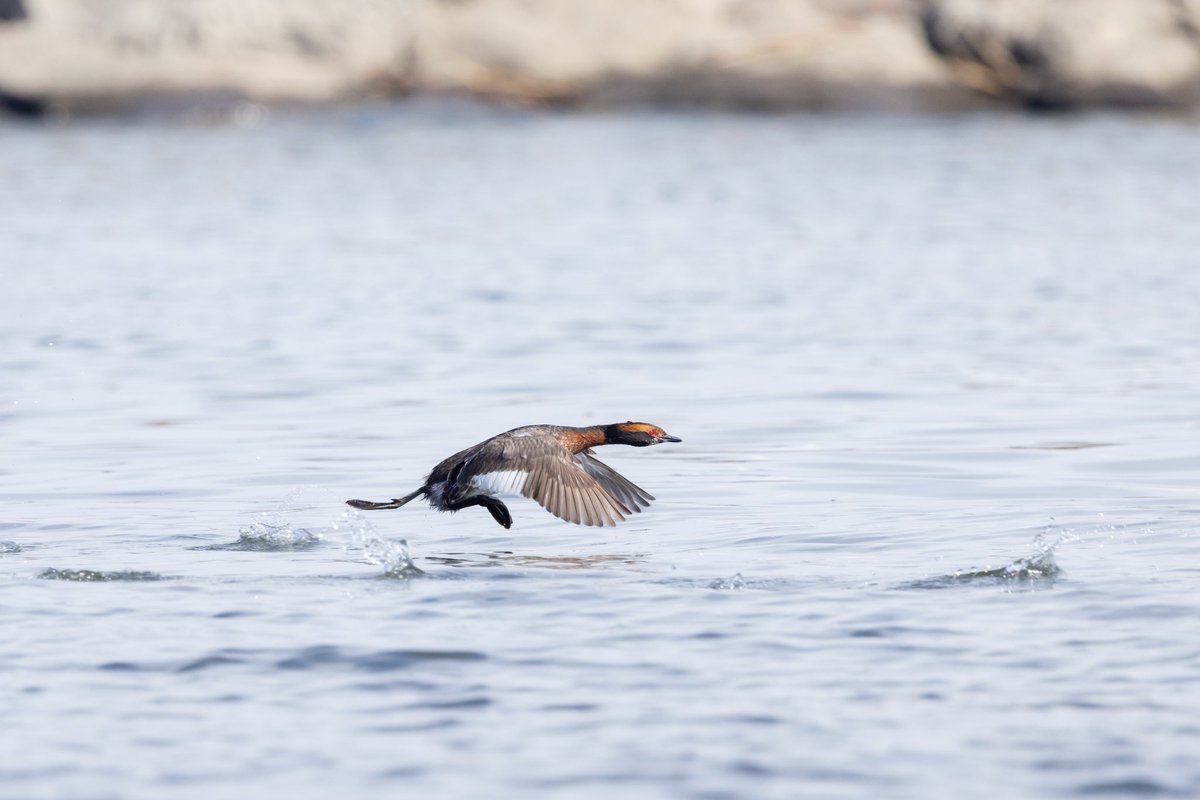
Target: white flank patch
x,y
504,482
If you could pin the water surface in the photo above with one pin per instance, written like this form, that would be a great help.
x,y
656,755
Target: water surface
x,y
932,531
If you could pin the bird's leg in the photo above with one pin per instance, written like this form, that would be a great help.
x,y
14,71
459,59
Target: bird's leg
x,y
498,510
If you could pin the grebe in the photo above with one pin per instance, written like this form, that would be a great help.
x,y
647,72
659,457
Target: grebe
x,y
553,464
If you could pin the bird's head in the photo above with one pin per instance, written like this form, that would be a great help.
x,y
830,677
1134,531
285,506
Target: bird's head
x,y
637,434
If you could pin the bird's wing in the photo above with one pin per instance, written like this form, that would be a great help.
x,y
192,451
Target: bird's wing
x,y
563,486
629,494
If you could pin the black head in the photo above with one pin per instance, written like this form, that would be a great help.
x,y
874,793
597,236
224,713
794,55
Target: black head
x,y
637,434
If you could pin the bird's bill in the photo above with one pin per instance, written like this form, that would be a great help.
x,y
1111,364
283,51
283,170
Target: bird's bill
x,y
666,437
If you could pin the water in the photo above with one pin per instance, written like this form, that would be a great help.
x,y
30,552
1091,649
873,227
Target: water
x,y
932,531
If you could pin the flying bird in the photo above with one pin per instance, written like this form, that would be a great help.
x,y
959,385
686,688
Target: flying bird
x,y
553,464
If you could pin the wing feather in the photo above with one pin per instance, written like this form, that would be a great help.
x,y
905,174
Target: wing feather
x,y
585,508
557,496
564,486
631,496
573,508
595,514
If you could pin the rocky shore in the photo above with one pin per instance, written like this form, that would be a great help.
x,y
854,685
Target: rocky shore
x,y
918,55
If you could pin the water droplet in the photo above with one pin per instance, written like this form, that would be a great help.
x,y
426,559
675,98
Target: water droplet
x,y
393,556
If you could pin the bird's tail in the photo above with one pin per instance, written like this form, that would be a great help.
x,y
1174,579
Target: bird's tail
x,y
367,505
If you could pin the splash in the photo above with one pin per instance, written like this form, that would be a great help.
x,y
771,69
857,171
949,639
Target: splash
x,y
97,576
271,533
1038,570
278,531
393,556
736,583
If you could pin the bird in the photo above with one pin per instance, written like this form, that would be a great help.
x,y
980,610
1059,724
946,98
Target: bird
x,y
552,464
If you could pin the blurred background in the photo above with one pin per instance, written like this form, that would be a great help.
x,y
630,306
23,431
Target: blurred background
x,y
914,281
918,55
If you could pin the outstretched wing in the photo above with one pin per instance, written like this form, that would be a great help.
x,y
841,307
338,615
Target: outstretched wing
x,y
560,484
629,494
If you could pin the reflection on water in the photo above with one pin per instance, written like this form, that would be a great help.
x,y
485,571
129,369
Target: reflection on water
x,y
510,559
894,348
1062,445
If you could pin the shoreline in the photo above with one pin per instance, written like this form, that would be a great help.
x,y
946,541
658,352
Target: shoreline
x,y
919,56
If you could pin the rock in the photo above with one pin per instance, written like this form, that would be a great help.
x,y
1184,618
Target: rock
x,y
12,10
762,53
1062,54
784,54
109,50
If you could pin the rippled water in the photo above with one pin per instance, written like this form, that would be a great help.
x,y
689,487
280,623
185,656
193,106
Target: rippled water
x,y
932,531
